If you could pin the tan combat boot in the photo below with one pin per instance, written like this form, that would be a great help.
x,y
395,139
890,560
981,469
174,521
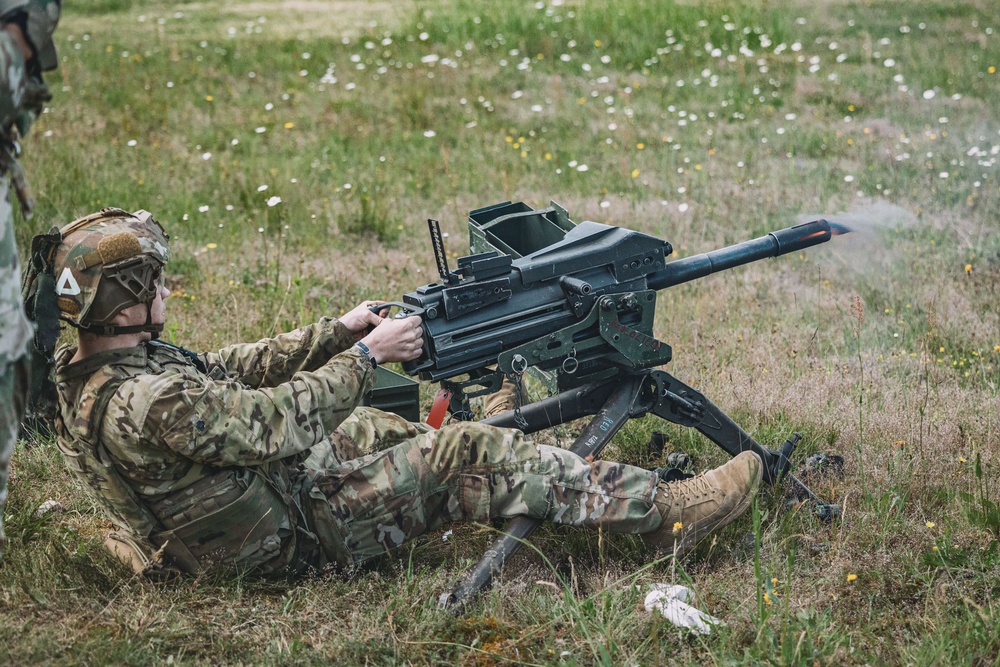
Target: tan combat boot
x,y
693,508
503,399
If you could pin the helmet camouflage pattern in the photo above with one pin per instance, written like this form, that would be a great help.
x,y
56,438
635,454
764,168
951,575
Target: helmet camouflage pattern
x,y
108,261
38,19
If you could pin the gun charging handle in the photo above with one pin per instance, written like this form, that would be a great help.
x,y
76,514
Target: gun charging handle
x,y
405,309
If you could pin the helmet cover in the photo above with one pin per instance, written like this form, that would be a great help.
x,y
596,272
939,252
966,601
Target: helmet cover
x,y
38,19
106,262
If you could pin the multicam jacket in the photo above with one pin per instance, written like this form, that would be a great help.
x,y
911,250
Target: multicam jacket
x,y
198,454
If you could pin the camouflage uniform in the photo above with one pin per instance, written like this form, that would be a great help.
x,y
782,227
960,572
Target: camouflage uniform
x,y
15,337
22,92
258,456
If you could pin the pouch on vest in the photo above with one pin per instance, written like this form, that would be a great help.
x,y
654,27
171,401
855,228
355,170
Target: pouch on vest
x,y
234,517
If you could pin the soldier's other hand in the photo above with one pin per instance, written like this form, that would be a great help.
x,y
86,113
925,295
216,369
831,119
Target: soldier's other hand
x,y
396,339
360,320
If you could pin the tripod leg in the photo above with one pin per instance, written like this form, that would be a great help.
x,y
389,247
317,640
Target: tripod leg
x,y
618,408
683,405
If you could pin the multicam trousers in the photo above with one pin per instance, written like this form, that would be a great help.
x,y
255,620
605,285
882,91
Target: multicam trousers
x,y
15,337
13,389
380,481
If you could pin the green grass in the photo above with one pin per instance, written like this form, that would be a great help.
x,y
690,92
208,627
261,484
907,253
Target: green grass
x,y
703,123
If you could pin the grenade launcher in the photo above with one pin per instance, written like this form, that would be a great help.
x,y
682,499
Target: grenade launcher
x,y
576,303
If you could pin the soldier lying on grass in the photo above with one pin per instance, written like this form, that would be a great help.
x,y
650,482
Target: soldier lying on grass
x,y
259,457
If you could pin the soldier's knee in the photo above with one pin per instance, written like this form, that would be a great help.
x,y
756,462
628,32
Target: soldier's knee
x,y
477,445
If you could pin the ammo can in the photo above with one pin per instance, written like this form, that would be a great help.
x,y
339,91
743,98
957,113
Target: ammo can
x,y
395,393
516,229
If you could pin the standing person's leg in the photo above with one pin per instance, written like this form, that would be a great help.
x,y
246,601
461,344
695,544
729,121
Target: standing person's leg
x,y
15,340
13,389
474,472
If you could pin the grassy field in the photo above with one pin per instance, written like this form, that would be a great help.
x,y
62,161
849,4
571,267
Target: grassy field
x,y
294,150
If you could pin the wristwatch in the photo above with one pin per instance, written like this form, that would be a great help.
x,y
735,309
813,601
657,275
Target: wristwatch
x,y
368,354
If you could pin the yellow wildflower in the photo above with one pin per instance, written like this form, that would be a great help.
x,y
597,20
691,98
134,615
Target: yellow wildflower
x,y
289,125
678,527
968,268
635,173
209,98
851,577
929,524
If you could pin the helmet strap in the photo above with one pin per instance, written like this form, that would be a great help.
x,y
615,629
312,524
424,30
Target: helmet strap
x,y
116,330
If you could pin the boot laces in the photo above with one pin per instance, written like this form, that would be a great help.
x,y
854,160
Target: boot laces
x,y
695,487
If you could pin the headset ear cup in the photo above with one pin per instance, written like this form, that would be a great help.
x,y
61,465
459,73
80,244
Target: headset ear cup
x,y
126,284
105,262
112,298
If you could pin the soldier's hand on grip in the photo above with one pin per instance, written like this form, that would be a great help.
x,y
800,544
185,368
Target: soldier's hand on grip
x,y
396,339
363,318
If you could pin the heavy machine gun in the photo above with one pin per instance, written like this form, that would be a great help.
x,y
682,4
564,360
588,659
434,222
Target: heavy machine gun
x,y
577,303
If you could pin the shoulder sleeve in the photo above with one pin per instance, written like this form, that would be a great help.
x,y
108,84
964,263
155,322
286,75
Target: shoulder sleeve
x,y
13,80
225,423
272,361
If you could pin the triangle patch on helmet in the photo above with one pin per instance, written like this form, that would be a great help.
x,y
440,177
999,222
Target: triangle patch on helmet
x,y
67,284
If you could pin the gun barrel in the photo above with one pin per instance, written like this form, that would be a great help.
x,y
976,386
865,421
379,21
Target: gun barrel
x,y
776,243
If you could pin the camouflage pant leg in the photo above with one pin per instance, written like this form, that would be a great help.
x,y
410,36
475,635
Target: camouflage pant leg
x,y
13,389
473,472
15,338
367,430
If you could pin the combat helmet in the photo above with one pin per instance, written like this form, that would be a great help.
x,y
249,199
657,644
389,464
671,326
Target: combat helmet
x,y
105,262
38,19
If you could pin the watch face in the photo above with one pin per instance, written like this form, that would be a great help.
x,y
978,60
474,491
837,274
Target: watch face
x,y
368,353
